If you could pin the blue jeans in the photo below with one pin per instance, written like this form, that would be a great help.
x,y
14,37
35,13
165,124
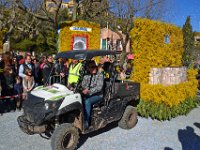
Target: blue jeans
x,y
89,101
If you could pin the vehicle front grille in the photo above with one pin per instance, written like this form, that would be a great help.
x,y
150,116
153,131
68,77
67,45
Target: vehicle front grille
x,y
34,109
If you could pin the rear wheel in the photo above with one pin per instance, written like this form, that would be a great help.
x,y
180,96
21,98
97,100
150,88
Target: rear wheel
x,y
65,137
129,118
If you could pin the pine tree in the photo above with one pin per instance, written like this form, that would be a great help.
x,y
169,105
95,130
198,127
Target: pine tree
x,y
188,37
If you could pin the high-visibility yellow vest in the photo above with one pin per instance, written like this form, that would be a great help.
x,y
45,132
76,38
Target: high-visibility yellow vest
x,y
74,73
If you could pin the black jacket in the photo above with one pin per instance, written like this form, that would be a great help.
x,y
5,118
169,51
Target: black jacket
x,y
47,70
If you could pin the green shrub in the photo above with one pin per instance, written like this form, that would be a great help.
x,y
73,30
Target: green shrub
x,y
164,112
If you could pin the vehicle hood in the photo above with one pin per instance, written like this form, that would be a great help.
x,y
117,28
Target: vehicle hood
x,y
53,92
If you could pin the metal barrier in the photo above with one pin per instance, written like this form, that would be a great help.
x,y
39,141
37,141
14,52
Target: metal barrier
x,y
58,79
55,79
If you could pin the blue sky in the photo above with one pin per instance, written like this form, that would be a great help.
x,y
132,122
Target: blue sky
x,y
179,10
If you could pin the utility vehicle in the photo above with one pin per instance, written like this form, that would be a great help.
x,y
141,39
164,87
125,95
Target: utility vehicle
x,y
56,111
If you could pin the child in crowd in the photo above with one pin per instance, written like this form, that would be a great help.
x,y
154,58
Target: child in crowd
x,y
18,90
28,83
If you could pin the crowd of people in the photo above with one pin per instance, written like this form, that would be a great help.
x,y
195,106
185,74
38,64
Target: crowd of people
x,y
19,75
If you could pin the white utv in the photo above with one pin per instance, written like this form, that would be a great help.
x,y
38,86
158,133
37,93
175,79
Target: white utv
x,y
57,112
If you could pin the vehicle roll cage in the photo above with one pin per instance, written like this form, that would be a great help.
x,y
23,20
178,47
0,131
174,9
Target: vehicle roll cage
x,y
87,55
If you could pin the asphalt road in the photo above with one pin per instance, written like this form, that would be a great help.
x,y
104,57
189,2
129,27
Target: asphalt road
x,y
181,133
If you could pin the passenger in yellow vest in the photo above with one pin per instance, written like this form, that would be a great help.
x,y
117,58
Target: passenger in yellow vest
x,y
74,73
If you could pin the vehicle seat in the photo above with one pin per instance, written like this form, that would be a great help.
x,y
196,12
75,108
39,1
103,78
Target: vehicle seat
x,y
106,88
101,102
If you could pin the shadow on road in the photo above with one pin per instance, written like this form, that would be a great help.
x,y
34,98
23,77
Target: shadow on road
x,y
189,139
197,125
168,148
83,138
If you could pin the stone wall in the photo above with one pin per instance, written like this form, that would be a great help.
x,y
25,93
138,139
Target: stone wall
x,y
168,75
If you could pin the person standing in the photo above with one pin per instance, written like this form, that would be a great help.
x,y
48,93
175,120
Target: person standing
x,y
128,70
8,87
74,72
18,90
59,67
59,70
47,69
66,70
26,65
36,71
28,83
40,72
7,82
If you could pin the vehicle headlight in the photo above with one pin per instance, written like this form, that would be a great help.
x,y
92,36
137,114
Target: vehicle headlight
x,y
52,104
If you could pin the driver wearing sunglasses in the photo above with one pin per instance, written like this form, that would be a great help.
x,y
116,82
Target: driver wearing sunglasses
x,y
92,85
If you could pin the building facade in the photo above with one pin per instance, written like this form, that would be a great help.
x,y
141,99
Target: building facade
x,y
51,6
78,35
110,40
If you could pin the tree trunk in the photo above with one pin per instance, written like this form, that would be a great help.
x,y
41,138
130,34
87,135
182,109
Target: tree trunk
x,y
123,56
75,10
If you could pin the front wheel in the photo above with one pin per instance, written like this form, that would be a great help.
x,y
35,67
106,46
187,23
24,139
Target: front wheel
x,y
129,118
65,137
